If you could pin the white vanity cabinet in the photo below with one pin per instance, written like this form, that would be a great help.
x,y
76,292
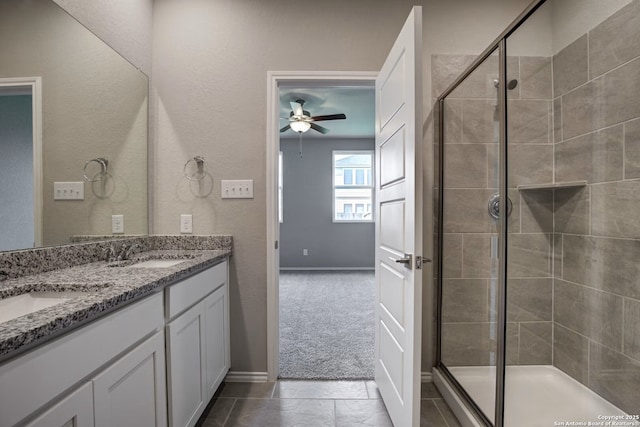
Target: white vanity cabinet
x,y
132,391
75,410
216,318
110,371
197,334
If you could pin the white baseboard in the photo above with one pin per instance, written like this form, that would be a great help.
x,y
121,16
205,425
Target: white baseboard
x,y
326,268
246,377
426,377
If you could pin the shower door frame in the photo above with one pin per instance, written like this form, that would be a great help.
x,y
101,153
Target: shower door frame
x,y
499,45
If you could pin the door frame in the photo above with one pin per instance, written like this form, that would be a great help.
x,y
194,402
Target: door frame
x,y
35,83
276,79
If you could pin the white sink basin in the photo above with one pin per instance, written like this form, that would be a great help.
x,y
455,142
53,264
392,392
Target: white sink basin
x,y
158,263
20,305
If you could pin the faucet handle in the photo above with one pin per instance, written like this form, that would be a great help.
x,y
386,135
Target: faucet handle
x,y
110,253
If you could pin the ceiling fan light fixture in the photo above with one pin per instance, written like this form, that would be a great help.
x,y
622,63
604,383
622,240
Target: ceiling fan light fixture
x,y
300,126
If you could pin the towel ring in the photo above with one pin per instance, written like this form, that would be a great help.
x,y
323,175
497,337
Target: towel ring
x,y
201,167
104,164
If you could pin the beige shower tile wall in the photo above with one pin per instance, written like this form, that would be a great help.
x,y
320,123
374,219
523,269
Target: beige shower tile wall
x,y
574,278
596,296
471,177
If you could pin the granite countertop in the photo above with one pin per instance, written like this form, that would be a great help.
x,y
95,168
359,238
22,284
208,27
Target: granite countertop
x,y
104,286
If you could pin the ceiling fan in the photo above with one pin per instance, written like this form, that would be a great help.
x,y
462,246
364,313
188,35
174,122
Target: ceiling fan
x,y
301,120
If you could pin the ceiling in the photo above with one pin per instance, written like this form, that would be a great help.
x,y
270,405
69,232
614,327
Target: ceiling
x,y
356,102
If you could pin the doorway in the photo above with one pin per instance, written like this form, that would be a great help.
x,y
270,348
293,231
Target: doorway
x,y
399,215
278,80
21,163
327,234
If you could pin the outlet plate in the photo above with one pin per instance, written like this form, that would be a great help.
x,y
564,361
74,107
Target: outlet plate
x,y
117,224
236,189
186,224
68,190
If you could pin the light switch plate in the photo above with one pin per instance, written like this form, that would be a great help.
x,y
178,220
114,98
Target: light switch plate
x,y
237,189
68,190
186,224
117,224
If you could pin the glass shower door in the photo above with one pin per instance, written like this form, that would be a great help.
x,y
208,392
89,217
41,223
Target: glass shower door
x,y
573,293
468,317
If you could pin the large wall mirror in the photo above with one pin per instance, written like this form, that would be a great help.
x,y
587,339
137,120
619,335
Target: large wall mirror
x,y
71,111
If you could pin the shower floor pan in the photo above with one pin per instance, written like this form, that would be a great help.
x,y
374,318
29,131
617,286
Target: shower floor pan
x,y
535,396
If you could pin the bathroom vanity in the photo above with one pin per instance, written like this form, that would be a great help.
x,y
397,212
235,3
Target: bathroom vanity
x,y
144,343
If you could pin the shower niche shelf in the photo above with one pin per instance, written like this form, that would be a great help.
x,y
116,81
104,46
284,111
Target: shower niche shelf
x,y
552,185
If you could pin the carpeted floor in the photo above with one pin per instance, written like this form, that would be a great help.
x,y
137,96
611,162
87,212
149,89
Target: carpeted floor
x,y
327,324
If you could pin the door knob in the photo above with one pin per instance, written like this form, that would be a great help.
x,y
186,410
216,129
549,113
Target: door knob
x,y
406,260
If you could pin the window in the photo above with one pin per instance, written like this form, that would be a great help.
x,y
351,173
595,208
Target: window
x,y
352,186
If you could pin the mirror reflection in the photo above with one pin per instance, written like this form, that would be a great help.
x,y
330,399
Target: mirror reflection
x,y
73,131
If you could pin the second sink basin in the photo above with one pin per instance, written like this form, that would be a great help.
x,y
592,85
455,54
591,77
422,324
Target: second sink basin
x,y
158,263
154,259
20,305
29,298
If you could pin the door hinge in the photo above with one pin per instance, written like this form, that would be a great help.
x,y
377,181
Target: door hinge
x,y
276,245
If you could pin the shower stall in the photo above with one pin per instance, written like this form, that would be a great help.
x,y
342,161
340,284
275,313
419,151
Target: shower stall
x,y
539,220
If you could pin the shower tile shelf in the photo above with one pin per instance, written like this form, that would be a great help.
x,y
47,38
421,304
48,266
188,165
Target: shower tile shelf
x,y
552,185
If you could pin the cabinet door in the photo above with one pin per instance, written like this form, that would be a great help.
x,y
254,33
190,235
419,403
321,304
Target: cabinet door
x,y
132,391
185,367
75,410
216,339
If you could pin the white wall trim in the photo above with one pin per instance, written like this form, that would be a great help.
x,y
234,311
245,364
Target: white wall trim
x,y
426,377
35,83
275,79
246,377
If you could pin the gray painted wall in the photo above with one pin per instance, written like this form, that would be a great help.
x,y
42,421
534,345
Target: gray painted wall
x,y
16,172
307,210
208,55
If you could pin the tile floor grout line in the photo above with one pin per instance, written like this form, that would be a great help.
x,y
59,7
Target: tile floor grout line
x,y
226,420
364,402
441,414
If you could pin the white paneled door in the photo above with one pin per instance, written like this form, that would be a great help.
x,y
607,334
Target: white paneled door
x,y
399,225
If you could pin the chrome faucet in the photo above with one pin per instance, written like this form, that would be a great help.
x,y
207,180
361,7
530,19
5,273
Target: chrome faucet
x,y
126,252
121,255
110,253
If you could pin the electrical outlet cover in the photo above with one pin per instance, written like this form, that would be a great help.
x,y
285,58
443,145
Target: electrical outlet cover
x,y
186,223
117,224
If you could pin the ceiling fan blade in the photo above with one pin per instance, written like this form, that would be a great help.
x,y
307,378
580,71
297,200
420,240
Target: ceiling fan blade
x,y
296,107
329,117
318,128
286,128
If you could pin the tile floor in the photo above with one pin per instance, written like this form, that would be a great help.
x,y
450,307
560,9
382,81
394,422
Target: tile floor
x,y
315,403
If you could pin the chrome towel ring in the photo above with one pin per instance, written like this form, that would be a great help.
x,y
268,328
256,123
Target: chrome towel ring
x,y
200,166
104,165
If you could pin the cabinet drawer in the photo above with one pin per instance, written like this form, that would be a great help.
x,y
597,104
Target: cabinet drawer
x,y
181,296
